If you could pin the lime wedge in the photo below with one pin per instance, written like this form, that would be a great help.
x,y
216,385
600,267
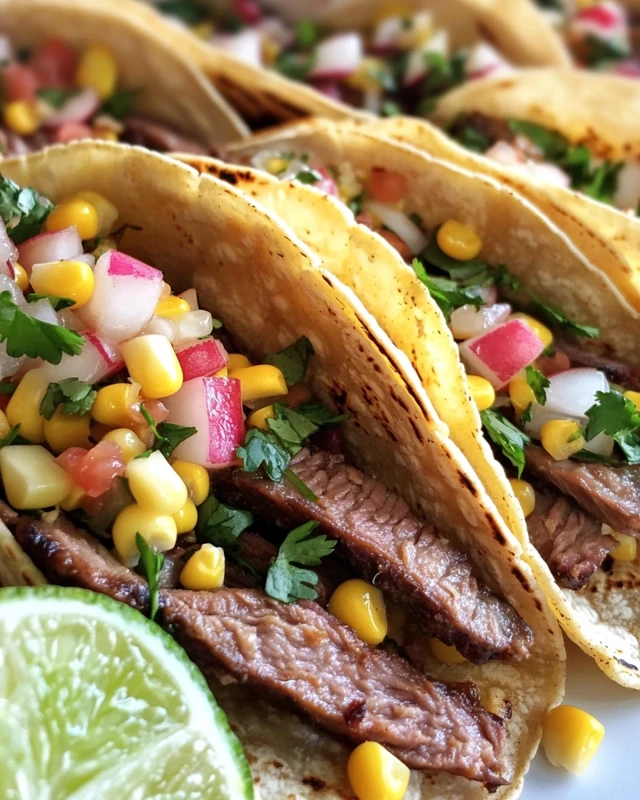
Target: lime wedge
x,y
96,702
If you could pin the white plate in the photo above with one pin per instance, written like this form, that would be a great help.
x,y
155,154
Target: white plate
x,y
615,769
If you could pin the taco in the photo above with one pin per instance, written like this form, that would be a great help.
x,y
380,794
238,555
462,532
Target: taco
x,y
86,69
522,263
375,57
330,403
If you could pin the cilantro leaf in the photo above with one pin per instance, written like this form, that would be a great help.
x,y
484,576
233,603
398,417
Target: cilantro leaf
x,y
472,139
295,65
285,580
603,182
120,104
355,205
191,12
447,294
601,52
292,361
28,336
509,439
308,176
220,524
54,96
389,108
6,387
538,382
618,417
291,427
151,565
58,303
556,316
13,437
318,414
166,435
263,450
552,144
22,210
76,397
307,33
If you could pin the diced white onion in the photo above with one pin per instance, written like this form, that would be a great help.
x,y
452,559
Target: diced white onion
x,y
470,320
399,223
275,29
485,60
192,325
6,50
245,45
8,250
78,108
338,56
628,188
161,326
69,319
88,258
42,310
8,365
56,246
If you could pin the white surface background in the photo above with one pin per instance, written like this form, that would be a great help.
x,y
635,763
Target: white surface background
x,y
615,769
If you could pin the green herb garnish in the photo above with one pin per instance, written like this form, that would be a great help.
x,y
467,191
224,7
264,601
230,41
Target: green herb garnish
x,y
166,435
538,383
288,582
22,210
58,303
557,317
54,96
618,417
510,440
27,336
121,103
151,564
76,398
293,360
220,524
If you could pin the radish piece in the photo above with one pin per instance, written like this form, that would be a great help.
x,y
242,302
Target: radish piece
x,y
214,407
71,132
502,352
98,359
201,357
338,56
606,21
53,246
8,252
126,294
191,296
78,108
471,320
399,223
417,66
484,60
245,45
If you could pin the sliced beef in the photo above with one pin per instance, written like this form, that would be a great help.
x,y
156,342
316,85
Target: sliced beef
x,y
407,557
302,654
569,539
70,557
156,136
596,353
610,494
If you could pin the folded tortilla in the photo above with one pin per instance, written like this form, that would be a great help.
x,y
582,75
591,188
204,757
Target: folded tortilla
x,y
269,288
169,88
604,621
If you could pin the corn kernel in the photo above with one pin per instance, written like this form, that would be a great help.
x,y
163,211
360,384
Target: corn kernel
x,y
130,443
106,135
445,653
520,393
72,279
525,494
555,437
113,404
24,407
260,382
67,430
276,165
634,397
541,331
270,51
203,30
74,499
196,479
21,277
171,306
5,428
186,518
361,606
458,241
571,738
205,569
74,212
221,373
158,530
376,774
482,392
366,77
155,484
98,69
31,477
106,210
152,362
627,547
21,117
259,418
237,361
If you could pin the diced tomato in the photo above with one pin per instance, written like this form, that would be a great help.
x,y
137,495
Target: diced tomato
x,y
386,186
55,63
93,470
550,365
248,11
19,82
366,219
70,131
398,244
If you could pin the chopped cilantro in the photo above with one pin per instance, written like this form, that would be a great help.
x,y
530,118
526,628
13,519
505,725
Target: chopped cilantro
x,y
261,449
220,524
292,361
602,52
6,387
320,415
509,439
552,145
13,437
557,317
307,34
22,210
447,294
538,383
151,565
472,139
54,96
618,417
58,303
355,205
166,435
603,182
390,108
27,336
295,65
526,415
442,73
120,104
308,176
191,12
291,427
76,397
288,582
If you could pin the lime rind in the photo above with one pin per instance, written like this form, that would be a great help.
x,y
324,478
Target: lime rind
x,y
132,745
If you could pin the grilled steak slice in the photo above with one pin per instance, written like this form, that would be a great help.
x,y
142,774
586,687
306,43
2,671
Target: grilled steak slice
x,y
70,557
569,539
610,494
595,353
156,136
410,561
302,654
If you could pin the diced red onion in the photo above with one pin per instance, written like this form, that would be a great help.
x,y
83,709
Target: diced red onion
x,y
338,56
400,224
201,357
470,320
245,45
78,108
97,360
607,20
55,246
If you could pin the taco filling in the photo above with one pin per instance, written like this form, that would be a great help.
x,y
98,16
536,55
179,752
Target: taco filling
x,y
401,66
53,94
144,457
558,407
